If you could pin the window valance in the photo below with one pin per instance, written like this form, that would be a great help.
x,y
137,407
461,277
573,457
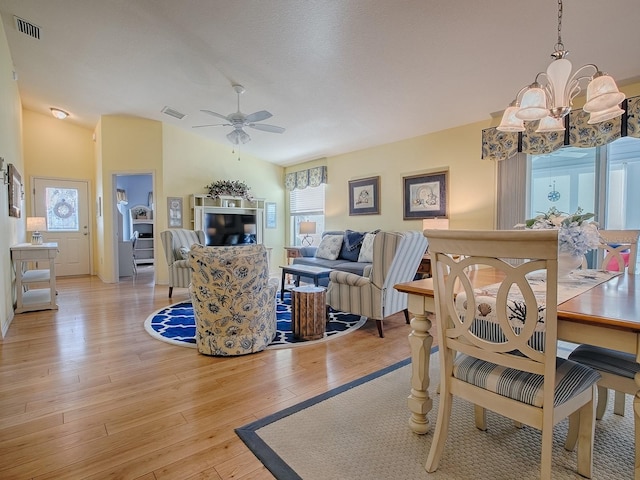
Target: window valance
x,y
312,177
502,145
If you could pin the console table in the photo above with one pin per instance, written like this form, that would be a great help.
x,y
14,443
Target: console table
x,y
26,258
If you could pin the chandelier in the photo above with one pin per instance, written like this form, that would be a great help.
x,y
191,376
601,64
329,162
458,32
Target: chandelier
x,y
549,98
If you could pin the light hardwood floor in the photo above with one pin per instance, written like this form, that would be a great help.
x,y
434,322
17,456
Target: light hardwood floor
x,y
85,392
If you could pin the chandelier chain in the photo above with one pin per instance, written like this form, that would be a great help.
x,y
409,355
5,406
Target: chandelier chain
x,y
559,45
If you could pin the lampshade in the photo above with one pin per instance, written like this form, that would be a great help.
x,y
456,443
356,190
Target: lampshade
x,y
59,114
307,228
510,122
550,124
608,114
602,94
533,105
435,224
36,224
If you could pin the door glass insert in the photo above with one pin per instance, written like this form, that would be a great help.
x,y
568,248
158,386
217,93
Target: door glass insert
x,y
62,209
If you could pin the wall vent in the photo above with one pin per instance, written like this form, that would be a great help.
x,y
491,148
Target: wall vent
x,y
27,28
173,113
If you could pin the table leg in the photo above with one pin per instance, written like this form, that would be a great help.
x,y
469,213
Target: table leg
x,y
297,281
282,286
636,419
420,341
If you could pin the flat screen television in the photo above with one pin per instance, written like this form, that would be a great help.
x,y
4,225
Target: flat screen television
x,y
222,229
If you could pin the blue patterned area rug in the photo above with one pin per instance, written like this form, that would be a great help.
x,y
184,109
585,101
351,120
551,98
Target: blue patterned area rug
x,y
175,324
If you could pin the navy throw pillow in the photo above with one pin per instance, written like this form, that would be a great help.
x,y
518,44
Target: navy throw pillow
x,y
351,245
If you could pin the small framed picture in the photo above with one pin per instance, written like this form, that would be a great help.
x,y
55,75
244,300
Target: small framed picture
x,y
270,214
15,191
174,212
364,196
425,196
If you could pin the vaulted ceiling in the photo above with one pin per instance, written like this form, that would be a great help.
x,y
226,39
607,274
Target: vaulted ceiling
x,y
338,75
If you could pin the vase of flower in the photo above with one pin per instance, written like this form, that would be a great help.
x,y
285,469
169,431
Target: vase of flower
x,y
576,236
567,263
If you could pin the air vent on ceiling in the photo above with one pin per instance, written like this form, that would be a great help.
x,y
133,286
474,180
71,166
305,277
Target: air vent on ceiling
x,y
173,113
27,28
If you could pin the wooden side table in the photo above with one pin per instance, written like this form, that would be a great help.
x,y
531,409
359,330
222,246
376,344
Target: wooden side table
x,y
308,312
28,298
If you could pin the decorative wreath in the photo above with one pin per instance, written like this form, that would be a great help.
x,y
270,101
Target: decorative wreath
x,y
63,209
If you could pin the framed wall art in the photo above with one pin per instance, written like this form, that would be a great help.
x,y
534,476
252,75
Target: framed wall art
x,y
270,214
174,212
364,196
425,196
15,191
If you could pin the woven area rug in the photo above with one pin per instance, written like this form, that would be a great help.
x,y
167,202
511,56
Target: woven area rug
x,y
361,431
175,324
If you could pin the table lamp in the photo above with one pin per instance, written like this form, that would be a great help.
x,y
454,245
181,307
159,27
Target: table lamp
x,y
34,225
435,224
308,229
249,233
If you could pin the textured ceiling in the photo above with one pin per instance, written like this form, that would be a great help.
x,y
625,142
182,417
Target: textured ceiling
x,y
339,75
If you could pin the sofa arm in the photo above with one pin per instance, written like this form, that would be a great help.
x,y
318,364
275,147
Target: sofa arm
x,y
308,251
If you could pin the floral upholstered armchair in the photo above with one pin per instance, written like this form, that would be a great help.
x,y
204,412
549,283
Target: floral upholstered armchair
x,y
176,243
234,301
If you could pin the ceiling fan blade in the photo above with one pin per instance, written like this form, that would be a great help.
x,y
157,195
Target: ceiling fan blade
x,y
266,128
258,116
209,112
213,125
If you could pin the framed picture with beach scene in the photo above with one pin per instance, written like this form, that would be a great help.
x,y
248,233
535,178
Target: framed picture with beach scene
x,y
425,196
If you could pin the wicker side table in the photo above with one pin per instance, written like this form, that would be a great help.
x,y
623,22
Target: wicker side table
x,y
308,312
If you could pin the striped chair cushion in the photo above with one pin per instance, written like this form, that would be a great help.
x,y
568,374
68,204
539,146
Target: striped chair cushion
x,y
571,379
606,360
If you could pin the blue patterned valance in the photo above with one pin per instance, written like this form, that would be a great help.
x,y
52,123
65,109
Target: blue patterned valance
x,y
502,145
311,177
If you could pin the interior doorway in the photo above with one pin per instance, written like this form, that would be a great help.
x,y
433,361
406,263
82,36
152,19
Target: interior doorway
x,y
134,224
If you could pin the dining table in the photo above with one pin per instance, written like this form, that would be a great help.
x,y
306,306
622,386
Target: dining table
x,y
607,315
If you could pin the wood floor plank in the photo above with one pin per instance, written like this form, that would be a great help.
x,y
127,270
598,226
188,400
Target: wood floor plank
x,y
85,392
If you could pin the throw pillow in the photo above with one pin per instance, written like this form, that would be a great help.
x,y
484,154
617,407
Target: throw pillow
x,y
182,253
329,247
351,245
366,251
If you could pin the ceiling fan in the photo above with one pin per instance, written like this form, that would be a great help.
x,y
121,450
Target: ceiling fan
x,y
239,120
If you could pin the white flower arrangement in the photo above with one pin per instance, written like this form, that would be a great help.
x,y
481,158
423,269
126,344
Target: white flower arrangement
x,y
576,236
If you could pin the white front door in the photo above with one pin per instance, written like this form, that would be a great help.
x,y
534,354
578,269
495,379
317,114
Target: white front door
x,y
65,205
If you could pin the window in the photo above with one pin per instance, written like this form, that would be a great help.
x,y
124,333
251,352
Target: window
x,y
306,205
603,180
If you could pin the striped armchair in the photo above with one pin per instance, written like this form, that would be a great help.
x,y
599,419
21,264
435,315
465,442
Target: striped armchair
x,y
176,243
396,256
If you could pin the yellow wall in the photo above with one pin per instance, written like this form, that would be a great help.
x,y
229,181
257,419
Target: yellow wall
x,y
12,230
471,180
192,162
128,145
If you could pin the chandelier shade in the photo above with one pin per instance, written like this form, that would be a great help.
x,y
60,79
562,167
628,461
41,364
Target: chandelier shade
x,y
604,115
552,93
550,124
511,123
602,94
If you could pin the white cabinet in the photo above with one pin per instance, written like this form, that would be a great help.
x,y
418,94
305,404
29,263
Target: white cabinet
x,y
141,221
35,286
237,218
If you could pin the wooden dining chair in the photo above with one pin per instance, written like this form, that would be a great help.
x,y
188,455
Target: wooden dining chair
x,y
506,338
618,251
